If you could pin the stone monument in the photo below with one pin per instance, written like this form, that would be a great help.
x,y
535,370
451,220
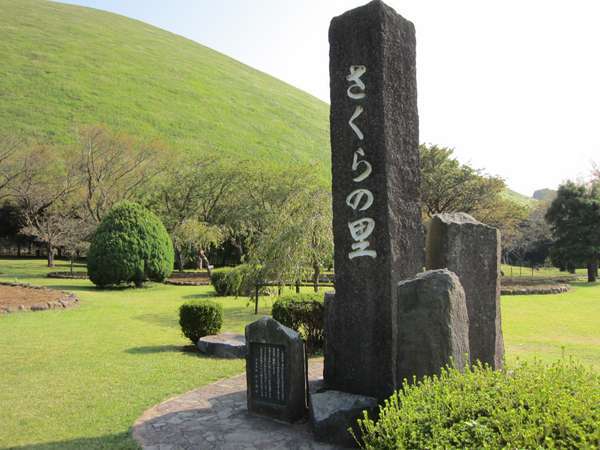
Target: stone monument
x,y
276,370
471,250
378,234
434,329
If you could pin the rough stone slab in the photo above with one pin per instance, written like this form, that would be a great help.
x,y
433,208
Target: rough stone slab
x,y
224,345
215,417
435,324
471,250
276,370
376,193
333,412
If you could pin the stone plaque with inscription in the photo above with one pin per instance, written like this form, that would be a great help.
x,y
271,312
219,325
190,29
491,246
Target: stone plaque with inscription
x,y
275,370
377,228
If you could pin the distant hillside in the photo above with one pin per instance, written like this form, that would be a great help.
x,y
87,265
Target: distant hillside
x,y
64,65
545,195
519,198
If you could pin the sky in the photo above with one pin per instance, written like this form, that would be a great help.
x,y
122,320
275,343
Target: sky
x,y
513,86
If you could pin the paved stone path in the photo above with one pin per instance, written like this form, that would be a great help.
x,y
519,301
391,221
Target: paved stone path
x,y
215,417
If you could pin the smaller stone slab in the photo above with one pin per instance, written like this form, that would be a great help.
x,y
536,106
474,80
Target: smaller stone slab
x,y
333,412
224,345
276,370
434,329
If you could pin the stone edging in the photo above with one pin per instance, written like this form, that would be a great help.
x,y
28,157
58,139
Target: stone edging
x,y
535,290
68,275
66,301
187,283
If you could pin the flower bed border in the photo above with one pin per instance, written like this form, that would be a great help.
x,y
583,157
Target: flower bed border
x,y
66,301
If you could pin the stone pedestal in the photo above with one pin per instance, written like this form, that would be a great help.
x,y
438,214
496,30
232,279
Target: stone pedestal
x,y
471,250
376,194
224,345
435,326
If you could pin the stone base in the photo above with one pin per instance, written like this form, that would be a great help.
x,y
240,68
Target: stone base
x,y
333,412
224,345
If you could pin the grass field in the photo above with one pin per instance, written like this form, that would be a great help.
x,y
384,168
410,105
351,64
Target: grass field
x,y
79,378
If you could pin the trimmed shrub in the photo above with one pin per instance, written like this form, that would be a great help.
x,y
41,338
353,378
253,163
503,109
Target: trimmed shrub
x,y
200,318
530,406
130,245
234,281
305,314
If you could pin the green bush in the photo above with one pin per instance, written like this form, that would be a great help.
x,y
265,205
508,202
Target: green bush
x,y
234,281
130,245
305,314
200,318
530,406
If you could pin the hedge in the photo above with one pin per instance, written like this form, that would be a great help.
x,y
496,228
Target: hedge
x,y
234,281
529,406
305,314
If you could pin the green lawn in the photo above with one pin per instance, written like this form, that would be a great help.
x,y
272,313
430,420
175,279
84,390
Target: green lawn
x,y
79,378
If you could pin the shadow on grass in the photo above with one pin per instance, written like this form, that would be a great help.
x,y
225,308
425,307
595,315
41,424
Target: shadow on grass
x,y
152,349
201,295
159,319
121,441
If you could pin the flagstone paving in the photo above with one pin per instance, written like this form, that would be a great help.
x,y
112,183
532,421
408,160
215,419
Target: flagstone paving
x,y
215,417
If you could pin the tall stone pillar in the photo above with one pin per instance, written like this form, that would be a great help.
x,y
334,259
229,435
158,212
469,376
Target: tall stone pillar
x,y
377,228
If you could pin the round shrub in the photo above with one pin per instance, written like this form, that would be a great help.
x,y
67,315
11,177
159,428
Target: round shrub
x,y
200,318
530,406
130,245
303,313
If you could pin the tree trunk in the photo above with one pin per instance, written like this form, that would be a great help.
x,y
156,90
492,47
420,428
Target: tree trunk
x,y
179,260
571,268
50,256
203,259
592,269
316,273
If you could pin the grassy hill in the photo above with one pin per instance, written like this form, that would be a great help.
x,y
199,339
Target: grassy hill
x,y
64,66
519,198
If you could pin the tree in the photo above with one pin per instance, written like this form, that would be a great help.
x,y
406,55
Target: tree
x,y
114,167
299,240
448,186
574,217
192,238
532,238
194,200
10,170
44,192
130,245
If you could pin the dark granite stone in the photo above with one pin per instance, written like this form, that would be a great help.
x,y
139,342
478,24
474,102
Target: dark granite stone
x,y
333,412
276,370
224,345
435,325
471,250
378,234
